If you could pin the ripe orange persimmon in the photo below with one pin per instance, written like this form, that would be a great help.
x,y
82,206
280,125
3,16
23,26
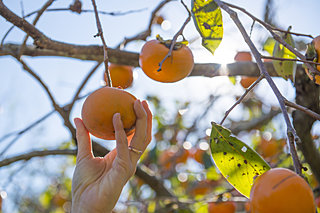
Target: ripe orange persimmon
x,y
121,75
316,43
99,108
169,157
281,190
243,56
270,148
222,207
198,155
176,67
246,81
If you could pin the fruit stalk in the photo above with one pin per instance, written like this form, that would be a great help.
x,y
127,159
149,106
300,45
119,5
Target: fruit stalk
x,y
174,39
105,48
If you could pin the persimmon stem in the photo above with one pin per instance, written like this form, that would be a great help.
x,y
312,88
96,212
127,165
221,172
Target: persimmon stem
x,y
291,133
174,39
105,48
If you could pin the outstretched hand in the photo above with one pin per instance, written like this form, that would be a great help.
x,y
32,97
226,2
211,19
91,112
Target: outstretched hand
x,y
98,181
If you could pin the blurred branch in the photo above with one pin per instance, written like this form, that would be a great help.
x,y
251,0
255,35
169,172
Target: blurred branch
x,y
237,127
39,153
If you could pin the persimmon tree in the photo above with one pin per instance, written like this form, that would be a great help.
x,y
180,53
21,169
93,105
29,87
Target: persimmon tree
x,y
200,156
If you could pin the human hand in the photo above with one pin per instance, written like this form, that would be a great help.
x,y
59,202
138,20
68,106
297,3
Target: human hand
x,y
98,181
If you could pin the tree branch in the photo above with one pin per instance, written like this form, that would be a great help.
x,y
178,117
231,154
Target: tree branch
x,y
40,153
95,53
292,135
39,14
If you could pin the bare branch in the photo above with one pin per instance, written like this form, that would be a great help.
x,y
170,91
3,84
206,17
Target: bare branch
x,y
290,59
144,34
105,48
241,98
39,153
132,59
303,109
271,29
35,21
253,123
290,130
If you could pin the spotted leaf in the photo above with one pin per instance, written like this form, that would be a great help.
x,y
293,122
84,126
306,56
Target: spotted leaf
x,y
207,18
237,162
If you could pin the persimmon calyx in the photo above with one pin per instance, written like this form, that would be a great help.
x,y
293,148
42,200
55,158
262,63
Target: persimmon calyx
x,y
168,43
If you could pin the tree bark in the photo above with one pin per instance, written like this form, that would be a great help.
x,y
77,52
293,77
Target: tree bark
x,y
307,95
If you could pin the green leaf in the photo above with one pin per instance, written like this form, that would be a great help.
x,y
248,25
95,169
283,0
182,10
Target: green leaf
x,y
207,18
285,69
237,162
233,80
269,45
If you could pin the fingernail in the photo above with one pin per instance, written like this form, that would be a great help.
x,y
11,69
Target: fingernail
x,y
117,115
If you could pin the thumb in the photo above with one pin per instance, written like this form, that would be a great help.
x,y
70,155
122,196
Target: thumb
x,y
83,140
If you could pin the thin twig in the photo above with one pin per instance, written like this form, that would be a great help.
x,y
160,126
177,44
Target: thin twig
x,y
35,21
271,29
264,23
59,109
292,135
68,9
20,132
144,34
174,39
105,48
303,109
40,153
290,59
241,98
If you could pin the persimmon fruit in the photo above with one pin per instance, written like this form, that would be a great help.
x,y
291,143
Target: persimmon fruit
x,y
121,75
243,56
198,155
316,43
269,148
99,108
222,207
245,81
281,190
175,68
